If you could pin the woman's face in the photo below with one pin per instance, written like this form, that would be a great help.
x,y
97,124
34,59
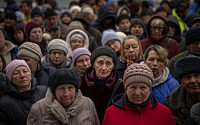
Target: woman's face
x,y
65,94
155,63
36,35
103,66
21,78
19,36
76,43
82,63
131,49
138,92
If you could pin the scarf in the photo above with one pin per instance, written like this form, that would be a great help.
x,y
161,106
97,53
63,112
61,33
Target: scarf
x,y
162,78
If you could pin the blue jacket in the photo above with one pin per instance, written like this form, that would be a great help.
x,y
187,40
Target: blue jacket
x,y
162,90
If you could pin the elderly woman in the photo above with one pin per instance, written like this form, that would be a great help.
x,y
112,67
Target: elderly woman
x,y
21,92
137,105
81,60
64,103
57,54
156,59
131,52
101,78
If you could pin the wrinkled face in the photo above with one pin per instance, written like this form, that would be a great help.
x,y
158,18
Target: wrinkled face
x,y
65,94
114,45
138,92
156,31
103,66
36,35
124,25
82,63
21,78
37,18
10,22
195,48
66,19
155,63
76,43
131,49
52,22
137,30
172,31
1,64
32,63
19,36
191,82
57,56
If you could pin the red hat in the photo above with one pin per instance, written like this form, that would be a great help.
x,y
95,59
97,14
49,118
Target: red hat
x,y
29,26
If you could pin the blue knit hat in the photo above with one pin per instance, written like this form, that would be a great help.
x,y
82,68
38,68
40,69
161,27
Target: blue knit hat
x,y
109,35
66,13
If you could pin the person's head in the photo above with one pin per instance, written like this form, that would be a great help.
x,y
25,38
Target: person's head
x,y
19,73
81,59
131,49
161,11
2,39
51,19
166,4
74,10
121,35
10,19
174,28
26,6
189,18
123,22
90,11
123,10
2,63
187,70
111,39
57,50
182,8
156,59
66,17
138,80
31,53
46,37
196,21
36,16
18,34
137,27
192,40
64,84
135,8
33,31
146,16
103,60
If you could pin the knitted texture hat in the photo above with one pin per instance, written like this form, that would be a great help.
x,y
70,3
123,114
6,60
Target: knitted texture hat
x,y
193,35
187,65
35,11
13,65
57,44
138,73
49,12
103,51
64,76
78,52
110,35
31,50
29,26
66,13
88,9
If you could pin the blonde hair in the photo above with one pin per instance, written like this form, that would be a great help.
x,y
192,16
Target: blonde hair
x,y
159,22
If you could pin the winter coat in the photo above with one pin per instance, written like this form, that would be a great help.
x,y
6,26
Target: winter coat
x,y
3,63
50,111
121,67
99,93
163,86
180,102
15,105
153,113
173,61
3,83
170,44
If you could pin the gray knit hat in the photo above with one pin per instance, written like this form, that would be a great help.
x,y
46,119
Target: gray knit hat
x,y
31,50
103,51
138,73
57,44
110,35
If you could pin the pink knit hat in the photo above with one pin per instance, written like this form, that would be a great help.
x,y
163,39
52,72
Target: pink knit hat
x,y
13,65
138,73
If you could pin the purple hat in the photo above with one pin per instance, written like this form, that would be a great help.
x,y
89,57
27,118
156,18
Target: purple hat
x,y
13,65
78,52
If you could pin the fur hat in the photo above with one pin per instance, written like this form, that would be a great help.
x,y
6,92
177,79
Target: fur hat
x,y
57,44
75,7
138,73
31,50
78,52
64,76
103,51
109,35
29,26
193,35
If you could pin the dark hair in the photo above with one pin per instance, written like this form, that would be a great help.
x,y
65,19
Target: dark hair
x,y
28,3
161,9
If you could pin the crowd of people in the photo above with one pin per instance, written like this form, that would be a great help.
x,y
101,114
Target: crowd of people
x,y
100,63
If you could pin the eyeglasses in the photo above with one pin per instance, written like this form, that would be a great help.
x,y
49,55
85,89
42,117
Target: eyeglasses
x,y
158,28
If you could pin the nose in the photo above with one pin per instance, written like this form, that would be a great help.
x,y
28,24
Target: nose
x,y
193,79
137,92
66,92
155,62
131,49
104,66
57,55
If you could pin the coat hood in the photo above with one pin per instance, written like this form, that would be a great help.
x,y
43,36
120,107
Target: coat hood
x,y
123,8
106,11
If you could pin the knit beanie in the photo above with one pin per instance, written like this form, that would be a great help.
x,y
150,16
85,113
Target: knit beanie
x,y
57,44
193,35
35,11
11,15
29,26
75,7
186,65
77,35
88,9
138,73
74,25
49,12
31,50
66,13
64,76
78,52
109,35
103,51
13,65
188,19
121,17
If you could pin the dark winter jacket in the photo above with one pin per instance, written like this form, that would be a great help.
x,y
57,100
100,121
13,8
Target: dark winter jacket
x,y
3,83
3,63
15,105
